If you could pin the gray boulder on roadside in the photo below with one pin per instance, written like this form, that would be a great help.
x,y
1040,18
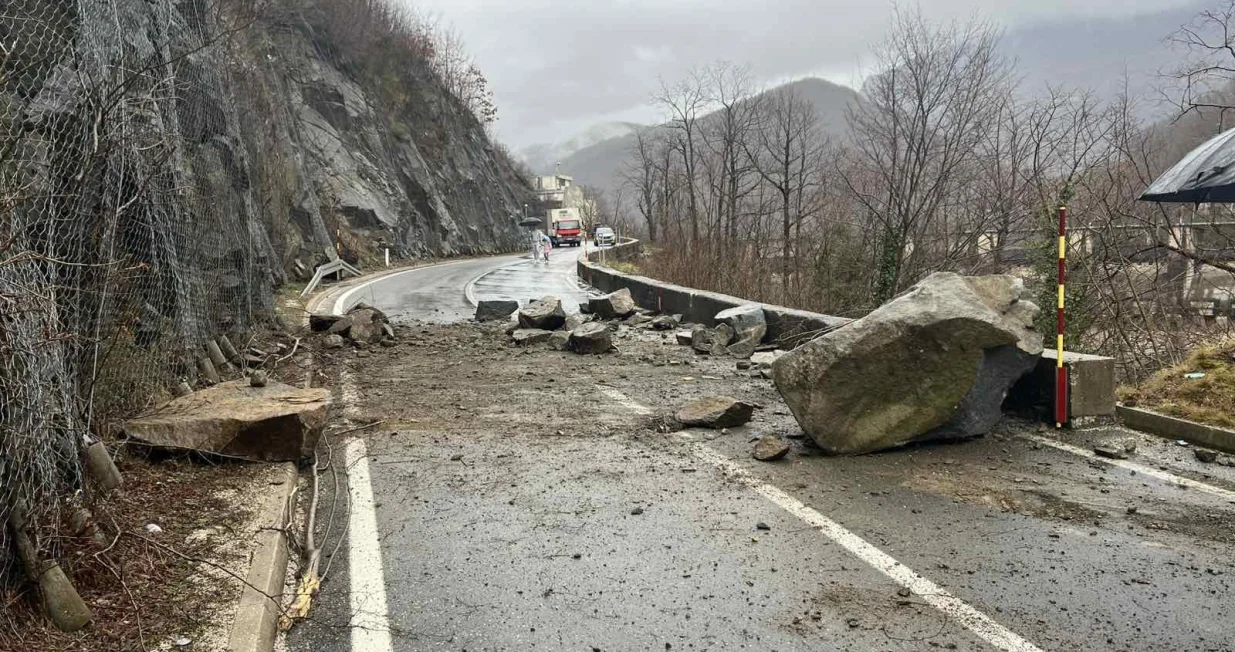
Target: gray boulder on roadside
x,y
743,349
723,334
496,309
615,305
684,338
666,322
715,412
320,323
933,363
529,336
591,337
559,340
545,314
575,320
701,338
745,321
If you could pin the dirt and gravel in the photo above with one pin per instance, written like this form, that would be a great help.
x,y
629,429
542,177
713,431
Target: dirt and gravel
x,y
534,498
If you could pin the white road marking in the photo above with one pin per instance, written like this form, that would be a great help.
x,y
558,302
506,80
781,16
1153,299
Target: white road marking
x,y
349,393
1226,494
340,304
623,400
968,617
370,622
959,611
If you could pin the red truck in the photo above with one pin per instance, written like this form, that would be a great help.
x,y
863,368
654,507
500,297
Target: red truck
x,y
565,227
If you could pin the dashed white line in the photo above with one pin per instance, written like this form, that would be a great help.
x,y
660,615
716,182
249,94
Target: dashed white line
x,y
1179,480
968,617
961,612
370,622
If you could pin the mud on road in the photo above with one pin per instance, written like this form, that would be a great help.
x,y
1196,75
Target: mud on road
x,y
535,499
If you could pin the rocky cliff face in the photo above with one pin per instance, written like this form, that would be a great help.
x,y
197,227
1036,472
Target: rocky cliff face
x,y
396,163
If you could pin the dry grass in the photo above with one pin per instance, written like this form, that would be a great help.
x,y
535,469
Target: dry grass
x,y
141,592
1210,399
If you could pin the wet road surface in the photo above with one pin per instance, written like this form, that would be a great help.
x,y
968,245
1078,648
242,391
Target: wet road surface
x,y
520,502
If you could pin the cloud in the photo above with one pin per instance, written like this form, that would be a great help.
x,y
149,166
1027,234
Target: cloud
x,y
553,64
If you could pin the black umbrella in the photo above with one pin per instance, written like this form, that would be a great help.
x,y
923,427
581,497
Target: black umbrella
x,y
530,221
1205,175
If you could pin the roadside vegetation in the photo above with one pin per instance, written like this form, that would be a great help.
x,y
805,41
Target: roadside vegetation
x,y
1202,388
952,163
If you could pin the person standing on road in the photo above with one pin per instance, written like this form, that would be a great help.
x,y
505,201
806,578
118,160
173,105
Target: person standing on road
x,y
536,238
547,243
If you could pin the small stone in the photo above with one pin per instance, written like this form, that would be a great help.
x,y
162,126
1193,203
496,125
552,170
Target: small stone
x,y
529,336
456,457
1131,510
762,526
1205,455
387,343
683,338
333,341
636,511
258,379
852,622
715,412
743,365
1110,452
904,592
770,448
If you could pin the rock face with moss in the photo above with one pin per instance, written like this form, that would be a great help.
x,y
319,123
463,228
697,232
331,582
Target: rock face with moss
x,y
933,363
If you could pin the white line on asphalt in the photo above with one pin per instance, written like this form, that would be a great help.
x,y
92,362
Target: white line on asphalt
x,y
370,622
623,400
349,394
1226,494
970,618
341,303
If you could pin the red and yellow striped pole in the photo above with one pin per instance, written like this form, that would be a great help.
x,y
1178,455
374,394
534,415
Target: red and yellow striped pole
x,y
1061,372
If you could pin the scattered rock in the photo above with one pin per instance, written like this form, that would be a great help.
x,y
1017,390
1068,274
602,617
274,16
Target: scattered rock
x,y
340,326
743,365
366,324
322,323
904,592
545,314
718,349
559,340
684,338
591,338
636,511
666,322
529,336
743,348
745,321
715,412
1110,452
388,331
615,305
766,358
934,363
258,379
575,320
496,309
273,423
763,526
637,319
723,333
701,338
387,343
1205,455
770,448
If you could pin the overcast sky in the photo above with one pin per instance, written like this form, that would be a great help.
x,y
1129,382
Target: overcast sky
x,y
557,66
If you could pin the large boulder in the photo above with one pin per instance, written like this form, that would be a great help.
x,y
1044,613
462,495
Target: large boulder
x,y
701,339
745,321
545,314
933,363
615,305
592,337
496,309
275,423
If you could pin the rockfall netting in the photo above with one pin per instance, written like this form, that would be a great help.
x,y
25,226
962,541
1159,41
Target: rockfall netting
x,y
128,234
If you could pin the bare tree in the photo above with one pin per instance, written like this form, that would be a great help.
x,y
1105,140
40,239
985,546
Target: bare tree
x,y
686,102
923,117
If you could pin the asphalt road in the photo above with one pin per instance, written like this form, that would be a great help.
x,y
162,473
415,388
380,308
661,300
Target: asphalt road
x,y
446,293
515,500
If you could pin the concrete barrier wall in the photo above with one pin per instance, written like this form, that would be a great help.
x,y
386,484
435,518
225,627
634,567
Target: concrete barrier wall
x,y
1092,390
786,326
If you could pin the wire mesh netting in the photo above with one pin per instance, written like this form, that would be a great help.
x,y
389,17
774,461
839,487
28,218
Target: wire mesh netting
x,y
128,238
